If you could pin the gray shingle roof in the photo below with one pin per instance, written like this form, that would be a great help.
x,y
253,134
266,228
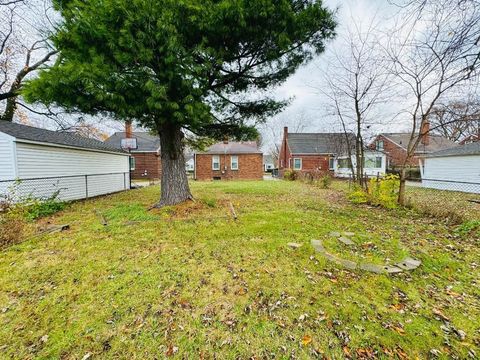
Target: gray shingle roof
x,y
30,133
232,147
436,142
319,143
468,149
146,142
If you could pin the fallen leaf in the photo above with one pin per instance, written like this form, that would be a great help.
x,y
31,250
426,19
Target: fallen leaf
x,y
438,313
307,339
346,351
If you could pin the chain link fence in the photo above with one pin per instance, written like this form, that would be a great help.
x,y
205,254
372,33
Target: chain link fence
x,y
459,200
73,187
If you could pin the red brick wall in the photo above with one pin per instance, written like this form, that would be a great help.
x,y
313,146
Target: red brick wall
x,y
395,154
149,162
250,167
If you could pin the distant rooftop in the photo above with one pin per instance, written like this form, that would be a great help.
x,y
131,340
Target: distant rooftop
x,y
320,143
146,142
30,133
436,142
233,147
468,149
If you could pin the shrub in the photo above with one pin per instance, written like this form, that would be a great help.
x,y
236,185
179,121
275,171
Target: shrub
x,y
38,208
290,175
358,195
12,224
384,192
325,181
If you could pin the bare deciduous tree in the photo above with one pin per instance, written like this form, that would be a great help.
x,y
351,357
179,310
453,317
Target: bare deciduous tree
x,y
434,49
23,50
456,120
357,82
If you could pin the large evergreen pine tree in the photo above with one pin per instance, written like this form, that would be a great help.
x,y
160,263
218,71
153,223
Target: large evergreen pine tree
x,y
200,66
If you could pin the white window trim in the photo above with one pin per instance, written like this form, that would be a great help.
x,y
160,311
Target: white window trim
x,y
215,162
231,162
333,163
300,168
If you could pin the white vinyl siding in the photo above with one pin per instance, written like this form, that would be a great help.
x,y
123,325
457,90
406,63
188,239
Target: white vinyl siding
x,y
297,163
7,158
74,173
234,162
44,161
453,168
215,162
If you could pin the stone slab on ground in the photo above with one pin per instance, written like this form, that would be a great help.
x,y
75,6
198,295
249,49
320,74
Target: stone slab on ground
x,y
408,264
347,233
294,245
335,234
346,240
318,246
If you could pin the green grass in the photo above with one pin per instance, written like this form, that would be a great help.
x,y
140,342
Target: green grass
x,y
193,280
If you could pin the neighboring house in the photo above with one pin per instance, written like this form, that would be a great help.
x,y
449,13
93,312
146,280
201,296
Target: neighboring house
x,y
312,151
394,145
229,161
268,164
189,162
373,165
456,169
47,162
146,161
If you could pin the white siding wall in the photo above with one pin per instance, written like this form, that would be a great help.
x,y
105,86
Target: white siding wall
x,y
370,171
453,168
44,161
75,174
7,158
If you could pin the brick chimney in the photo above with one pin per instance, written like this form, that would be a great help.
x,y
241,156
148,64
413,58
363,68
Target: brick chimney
x,y
128,129
424,133
285,132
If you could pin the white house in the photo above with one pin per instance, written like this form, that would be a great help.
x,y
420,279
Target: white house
x,y
374,164
37,162
268,164
189,163
455,169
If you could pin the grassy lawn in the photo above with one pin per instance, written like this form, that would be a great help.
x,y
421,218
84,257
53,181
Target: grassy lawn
x,y
191,282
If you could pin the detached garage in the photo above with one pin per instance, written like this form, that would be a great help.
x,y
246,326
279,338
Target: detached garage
x,y
39,163
455,169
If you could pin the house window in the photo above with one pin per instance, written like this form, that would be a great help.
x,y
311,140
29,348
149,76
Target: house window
x,y
132,163
369,162
215,162
331,163
378,162
297,163
379,145
234,162
344,163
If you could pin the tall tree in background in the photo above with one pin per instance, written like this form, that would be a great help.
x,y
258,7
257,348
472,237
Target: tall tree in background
x,y
355,83
203,67
434,51
456,120
23,50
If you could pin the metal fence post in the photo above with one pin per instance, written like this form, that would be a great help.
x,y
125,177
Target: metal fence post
x,y
86,186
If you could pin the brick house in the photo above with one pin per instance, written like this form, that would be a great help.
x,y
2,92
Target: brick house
x,y
394,145
307,152
229,161
146,162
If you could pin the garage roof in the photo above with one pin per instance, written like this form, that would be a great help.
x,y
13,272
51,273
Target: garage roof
x,y
468,149
30,133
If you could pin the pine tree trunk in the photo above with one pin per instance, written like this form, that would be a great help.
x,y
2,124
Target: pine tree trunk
x,y
174,184
9,109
